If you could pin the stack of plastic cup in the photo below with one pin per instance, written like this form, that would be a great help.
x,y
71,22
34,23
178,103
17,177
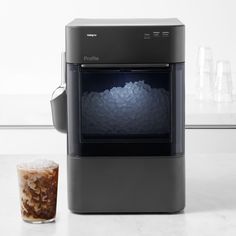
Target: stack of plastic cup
x,y
205,82
223,82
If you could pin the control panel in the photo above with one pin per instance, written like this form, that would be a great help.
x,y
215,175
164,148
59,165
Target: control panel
x,y
156,34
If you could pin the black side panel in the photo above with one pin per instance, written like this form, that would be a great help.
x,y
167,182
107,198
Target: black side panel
x,y
178,108
72,109
126,184
125,44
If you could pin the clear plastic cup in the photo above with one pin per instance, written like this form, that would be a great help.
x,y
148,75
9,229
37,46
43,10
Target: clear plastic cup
x,y
205,83
223,82
38,181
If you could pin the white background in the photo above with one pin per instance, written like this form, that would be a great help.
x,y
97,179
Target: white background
x,y
32,37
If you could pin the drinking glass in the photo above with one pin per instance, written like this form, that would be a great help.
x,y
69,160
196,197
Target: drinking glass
x,y
38,182
205,84
223,82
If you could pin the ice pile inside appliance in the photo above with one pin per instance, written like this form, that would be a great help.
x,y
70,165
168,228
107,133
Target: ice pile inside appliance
x,y
136,108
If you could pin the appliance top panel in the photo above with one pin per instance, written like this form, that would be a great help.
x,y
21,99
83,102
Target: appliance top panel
x,y
126,22
125,41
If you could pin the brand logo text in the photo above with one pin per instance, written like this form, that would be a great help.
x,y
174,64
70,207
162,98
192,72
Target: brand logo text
x,y
91,58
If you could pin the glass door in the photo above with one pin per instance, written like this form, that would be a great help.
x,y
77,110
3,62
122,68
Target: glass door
x,y
126,110
125,103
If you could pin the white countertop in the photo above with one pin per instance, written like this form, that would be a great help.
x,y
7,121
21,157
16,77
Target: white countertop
x,y
210,204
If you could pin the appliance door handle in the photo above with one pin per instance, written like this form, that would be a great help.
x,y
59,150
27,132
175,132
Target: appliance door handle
x,y
162,65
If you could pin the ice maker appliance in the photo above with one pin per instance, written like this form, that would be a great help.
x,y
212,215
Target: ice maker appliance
x,y
121,104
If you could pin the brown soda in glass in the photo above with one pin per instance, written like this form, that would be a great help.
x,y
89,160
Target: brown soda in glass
x,y
38,183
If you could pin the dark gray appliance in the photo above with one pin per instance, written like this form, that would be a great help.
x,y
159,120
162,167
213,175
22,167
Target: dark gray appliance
x,y
122,107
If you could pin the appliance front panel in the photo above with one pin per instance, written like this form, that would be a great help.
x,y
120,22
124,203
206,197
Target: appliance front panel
x,y
125,109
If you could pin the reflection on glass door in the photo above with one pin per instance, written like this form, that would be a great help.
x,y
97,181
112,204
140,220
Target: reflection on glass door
x,y
132,103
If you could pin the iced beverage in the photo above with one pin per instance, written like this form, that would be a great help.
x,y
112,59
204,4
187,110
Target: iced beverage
x,y
38,182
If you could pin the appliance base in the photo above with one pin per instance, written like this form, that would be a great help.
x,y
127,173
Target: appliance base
x,y
126,184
